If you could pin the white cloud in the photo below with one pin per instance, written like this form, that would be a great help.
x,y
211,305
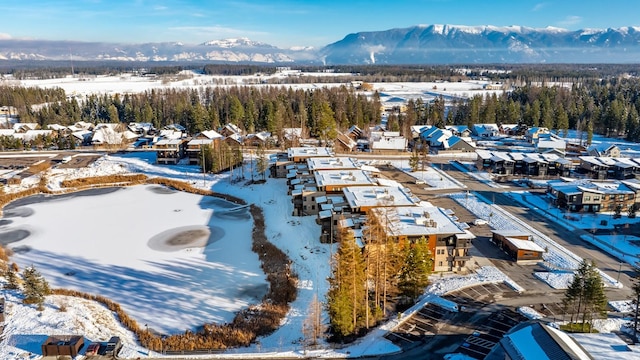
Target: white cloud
x,y
4,36
570,20
160,8
539,6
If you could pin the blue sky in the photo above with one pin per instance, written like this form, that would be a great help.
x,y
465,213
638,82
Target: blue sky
x,y
286,23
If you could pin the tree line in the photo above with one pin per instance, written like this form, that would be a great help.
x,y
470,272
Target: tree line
x,y
609,107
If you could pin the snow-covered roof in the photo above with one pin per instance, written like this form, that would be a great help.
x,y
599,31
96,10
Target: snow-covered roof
x,y
538,341
342,178
171,134
372,196
7,132
32,134
306,152
200,142
163,142
56,127
389,143
521,244
332,163
211,134
552,144
414,221
606,346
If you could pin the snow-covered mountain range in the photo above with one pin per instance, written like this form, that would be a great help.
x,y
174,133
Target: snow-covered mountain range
x,y
485,44
421,44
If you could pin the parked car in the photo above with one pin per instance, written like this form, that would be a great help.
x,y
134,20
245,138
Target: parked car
x,y
92,349
479,222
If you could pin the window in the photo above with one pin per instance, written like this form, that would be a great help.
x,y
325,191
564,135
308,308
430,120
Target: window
x,y
313,207
439,263
587,198
313,198
596,198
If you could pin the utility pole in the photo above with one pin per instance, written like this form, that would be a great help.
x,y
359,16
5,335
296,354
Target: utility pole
x,y
204,172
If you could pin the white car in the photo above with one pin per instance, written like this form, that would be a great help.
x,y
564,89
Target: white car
x,y
479,222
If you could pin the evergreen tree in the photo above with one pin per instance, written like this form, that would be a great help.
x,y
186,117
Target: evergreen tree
x,y
562,121
414,160
262,164
416,268
35,287
12,279
326,124
585,295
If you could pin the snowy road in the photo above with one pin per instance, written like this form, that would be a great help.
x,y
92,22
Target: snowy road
x,y
570,240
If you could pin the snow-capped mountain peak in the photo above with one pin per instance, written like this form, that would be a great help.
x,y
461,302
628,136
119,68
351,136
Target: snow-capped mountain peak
x,y
236,42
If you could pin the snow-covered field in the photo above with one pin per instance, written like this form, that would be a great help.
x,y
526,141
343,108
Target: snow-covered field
x,y
127,83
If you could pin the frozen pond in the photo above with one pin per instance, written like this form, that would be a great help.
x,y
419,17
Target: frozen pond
x,y
173,260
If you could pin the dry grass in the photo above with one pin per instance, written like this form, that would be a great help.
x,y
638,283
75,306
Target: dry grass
x,y
134,179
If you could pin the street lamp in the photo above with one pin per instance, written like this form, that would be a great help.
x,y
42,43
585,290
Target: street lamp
x,y
619,270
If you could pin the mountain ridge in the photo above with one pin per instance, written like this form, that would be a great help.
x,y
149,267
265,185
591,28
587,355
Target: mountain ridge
x,y
419,44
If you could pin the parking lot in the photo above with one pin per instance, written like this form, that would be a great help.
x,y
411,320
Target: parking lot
x,y
474,330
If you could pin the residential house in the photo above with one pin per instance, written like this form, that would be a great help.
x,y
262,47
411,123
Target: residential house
x,y
209,134
344,143
532,134
230,129
141,129
456,144
233,140
107,134
434,136
194,149
459,130
170,151
387,142
355,132
416,130
604,150
260,139
591,196
306,200
24,127
594,167
560,146
485,130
